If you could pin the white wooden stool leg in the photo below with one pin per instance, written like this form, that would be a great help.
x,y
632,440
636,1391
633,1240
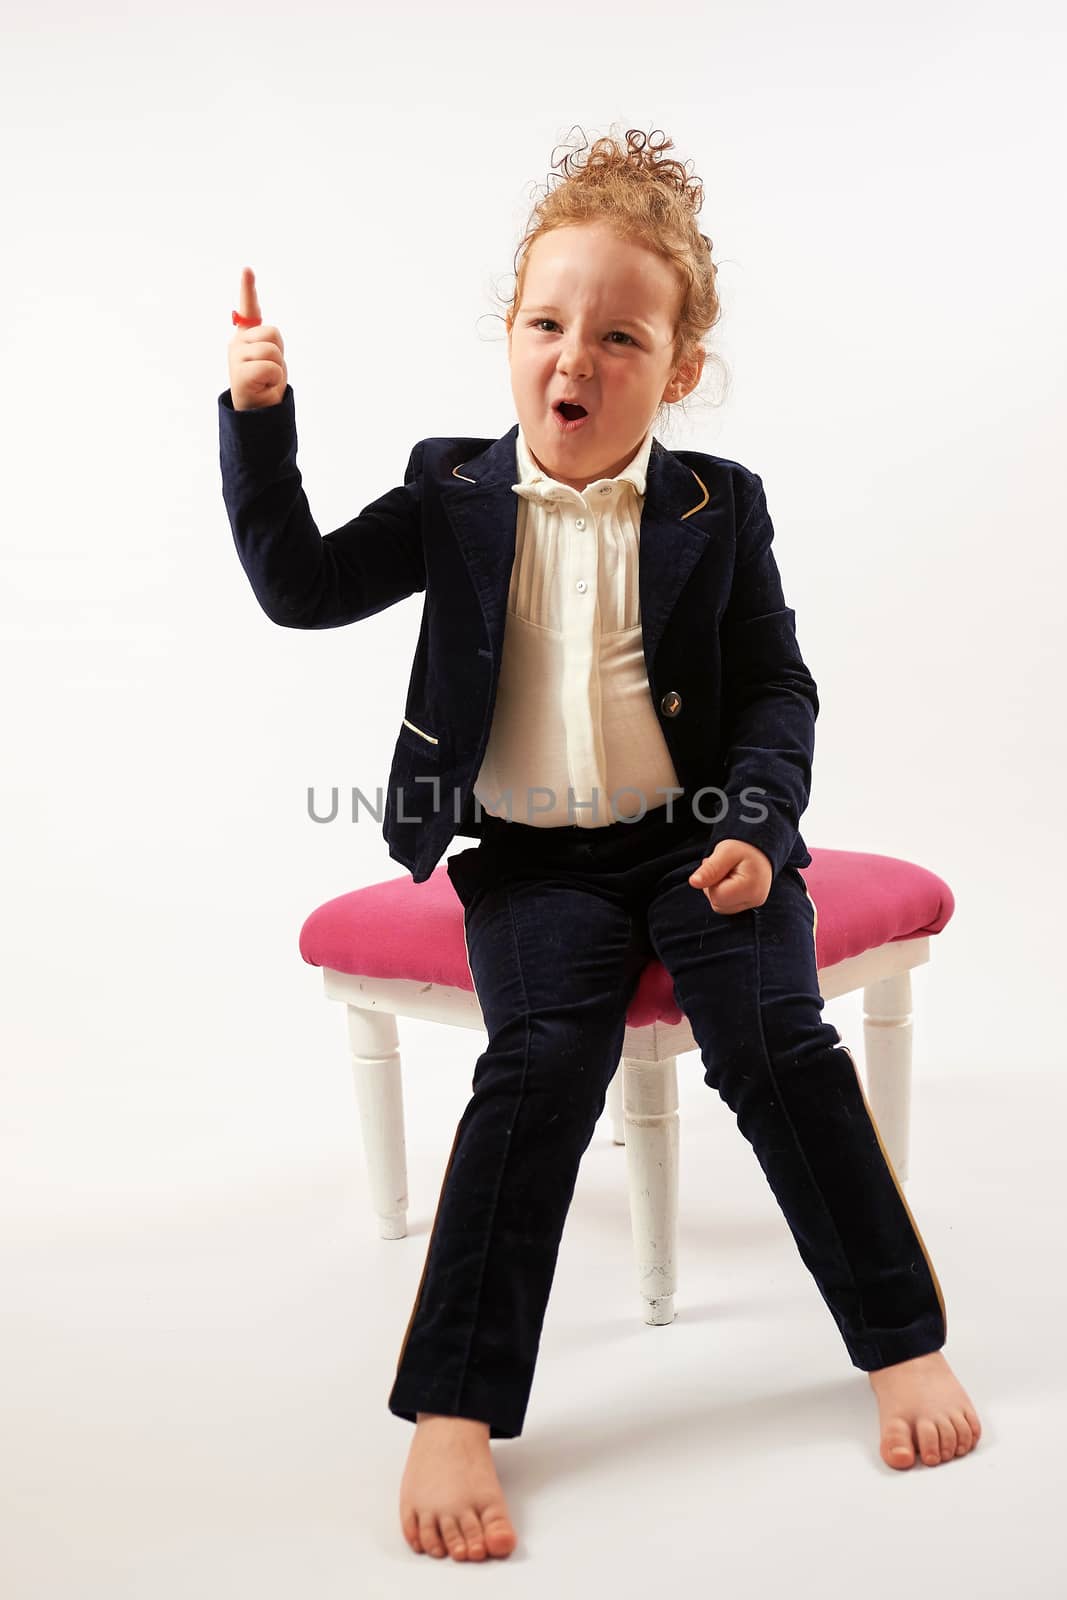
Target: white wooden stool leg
x,y
650,1107
887,1037
376,1068
615,1110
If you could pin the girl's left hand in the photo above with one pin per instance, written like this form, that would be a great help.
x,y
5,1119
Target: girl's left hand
x,y
735,877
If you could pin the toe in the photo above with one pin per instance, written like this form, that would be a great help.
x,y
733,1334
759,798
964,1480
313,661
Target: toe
x,y
897,1448
429,1537
964,1437
455,1543
976,1427
410,1524
929,1441
947,1435
471,1528
499,1534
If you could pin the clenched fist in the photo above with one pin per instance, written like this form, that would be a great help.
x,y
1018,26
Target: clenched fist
x,y
737,876
258,374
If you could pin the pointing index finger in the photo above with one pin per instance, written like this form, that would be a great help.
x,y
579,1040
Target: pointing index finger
x,y
248,315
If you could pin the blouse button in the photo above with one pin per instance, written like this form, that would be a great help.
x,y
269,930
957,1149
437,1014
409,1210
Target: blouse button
x,y
581,586
671,703
580,522
606,489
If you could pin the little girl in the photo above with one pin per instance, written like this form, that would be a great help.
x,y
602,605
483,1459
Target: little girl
x,y
637,657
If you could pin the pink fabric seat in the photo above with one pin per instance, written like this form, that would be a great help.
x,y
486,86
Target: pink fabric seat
x,y
402,929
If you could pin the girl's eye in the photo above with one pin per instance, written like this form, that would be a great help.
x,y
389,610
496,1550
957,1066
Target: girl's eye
x,y
539,321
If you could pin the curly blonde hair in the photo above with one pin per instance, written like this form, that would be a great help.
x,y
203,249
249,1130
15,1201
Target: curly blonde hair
x,y
646,198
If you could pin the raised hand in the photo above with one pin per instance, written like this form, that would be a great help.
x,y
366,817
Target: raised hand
x,y
258,374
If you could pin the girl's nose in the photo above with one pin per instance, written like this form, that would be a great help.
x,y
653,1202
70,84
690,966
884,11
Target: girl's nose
x,y
576,365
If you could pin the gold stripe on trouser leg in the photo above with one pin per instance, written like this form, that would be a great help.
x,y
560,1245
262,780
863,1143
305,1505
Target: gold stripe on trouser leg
x,y
426,1263
881,1146
444,1180
466,950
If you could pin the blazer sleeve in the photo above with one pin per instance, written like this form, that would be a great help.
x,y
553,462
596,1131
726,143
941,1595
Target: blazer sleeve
x,y
770,700
301,578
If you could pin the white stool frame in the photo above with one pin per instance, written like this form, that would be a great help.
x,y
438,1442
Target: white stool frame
x,y
642,1100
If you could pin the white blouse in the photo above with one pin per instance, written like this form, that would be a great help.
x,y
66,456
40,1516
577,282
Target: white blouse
x,y
575,736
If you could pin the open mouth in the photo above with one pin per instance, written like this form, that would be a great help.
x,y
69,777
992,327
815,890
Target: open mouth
x,y
570,418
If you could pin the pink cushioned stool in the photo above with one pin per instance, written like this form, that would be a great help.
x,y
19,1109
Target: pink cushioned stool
x,y
396,949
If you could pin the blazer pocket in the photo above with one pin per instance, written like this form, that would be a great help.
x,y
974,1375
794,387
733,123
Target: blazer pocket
x,y
420,738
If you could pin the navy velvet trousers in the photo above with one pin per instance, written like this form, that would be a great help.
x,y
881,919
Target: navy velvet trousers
x,y
559,923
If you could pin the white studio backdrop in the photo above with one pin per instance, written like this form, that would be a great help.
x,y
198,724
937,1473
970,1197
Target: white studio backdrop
x,y
199,1322
879,192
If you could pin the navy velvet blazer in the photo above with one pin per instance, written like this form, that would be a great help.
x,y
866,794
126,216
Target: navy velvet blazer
x,y
735,700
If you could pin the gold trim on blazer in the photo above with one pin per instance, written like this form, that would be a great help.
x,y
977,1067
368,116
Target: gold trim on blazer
x,y
700,503
698,507
419,731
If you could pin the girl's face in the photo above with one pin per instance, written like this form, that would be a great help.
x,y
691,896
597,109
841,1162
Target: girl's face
x,y
596,323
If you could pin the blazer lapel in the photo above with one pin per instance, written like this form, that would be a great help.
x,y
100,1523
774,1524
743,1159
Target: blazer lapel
x,y
676,522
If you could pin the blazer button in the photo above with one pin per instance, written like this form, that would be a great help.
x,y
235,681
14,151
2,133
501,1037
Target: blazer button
x,y
671,703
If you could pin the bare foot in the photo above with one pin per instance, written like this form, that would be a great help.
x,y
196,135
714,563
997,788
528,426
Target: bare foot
x,y
922,1401
451,1501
